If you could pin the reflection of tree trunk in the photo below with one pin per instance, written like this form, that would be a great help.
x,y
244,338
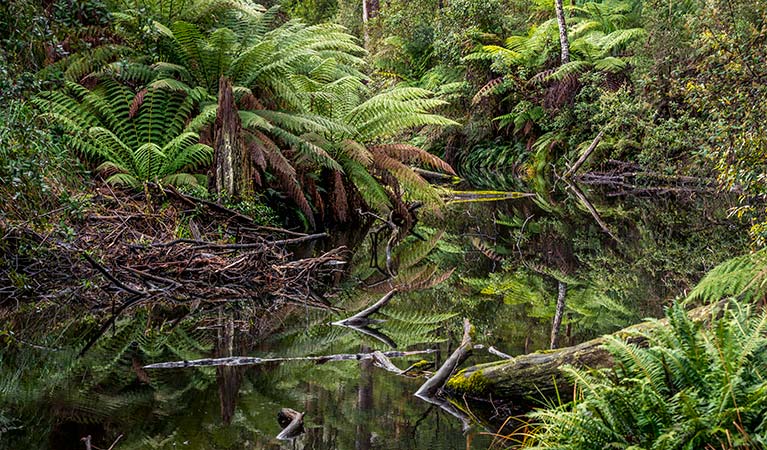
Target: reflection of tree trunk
x,y
364,403
558,315
560,9
228,378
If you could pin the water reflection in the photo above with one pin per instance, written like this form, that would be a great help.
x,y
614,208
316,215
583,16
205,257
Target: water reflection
x,y
505,282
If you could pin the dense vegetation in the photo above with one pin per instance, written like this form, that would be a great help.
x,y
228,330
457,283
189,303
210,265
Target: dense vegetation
x,y
323,114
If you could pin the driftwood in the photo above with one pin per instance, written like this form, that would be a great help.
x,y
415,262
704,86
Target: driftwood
x,y
429,391
249,360
523,381
574,168
292,423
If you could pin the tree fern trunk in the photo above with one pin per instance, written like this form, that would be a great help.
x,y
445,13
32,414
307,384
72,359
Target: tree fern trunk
x,y
560,9
233,170
558,315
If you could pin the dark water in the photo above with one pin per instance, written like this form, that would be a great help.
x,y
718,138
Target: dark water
x,y
508,259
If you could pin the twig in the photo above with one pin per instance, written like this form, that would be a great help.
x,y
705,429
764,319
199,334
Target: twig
x,y
494,351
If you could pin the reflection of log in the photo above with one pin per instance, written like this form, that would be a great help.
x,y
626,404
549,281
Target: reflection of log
x,y
249,360
361,318
292,423
593,211
524,380
375,334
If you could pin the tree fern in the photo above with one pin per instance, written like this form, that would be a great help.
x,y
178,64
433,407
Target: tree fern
x,y
150,144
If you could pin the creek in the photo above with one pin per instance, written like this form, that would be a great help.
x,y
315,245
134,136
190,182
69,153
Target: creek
x,y
497,263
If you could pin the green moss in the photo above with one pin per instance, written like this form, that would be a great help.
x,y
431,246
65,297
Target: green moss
x,y
476,383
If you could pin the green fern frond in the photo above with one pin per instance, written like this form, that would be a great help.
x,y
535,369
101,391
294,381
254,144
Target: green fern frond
x,y
742,277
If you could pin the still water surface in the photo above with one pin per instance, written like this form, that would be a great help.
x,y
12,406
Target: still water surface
x,y
508,258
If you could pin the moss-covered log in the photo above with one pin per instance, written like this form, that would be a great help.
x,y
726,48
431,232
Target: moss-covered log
x,y
524,381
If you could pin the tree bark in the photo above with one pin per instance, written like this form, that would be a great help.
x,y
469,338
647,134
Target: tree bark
x,y
558,314
365,18
565,44
523,381
232,165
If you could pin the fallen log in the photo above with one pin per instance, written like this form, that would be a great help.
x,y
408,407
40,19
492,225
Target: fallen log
x,y
523,382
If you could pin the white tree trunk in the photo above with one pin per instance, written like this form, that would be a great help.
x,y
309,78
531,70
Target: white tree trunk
x,y
565,44
560,312
365,18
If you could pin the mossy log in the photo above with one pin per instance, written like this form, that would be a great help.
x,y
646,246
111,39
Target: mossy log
x,y
522,382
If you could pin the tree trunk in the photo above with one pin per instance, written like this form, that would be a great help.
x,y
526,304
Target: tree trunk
x,y
369,11
565,44
232,165
558,315
365,18
523,381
